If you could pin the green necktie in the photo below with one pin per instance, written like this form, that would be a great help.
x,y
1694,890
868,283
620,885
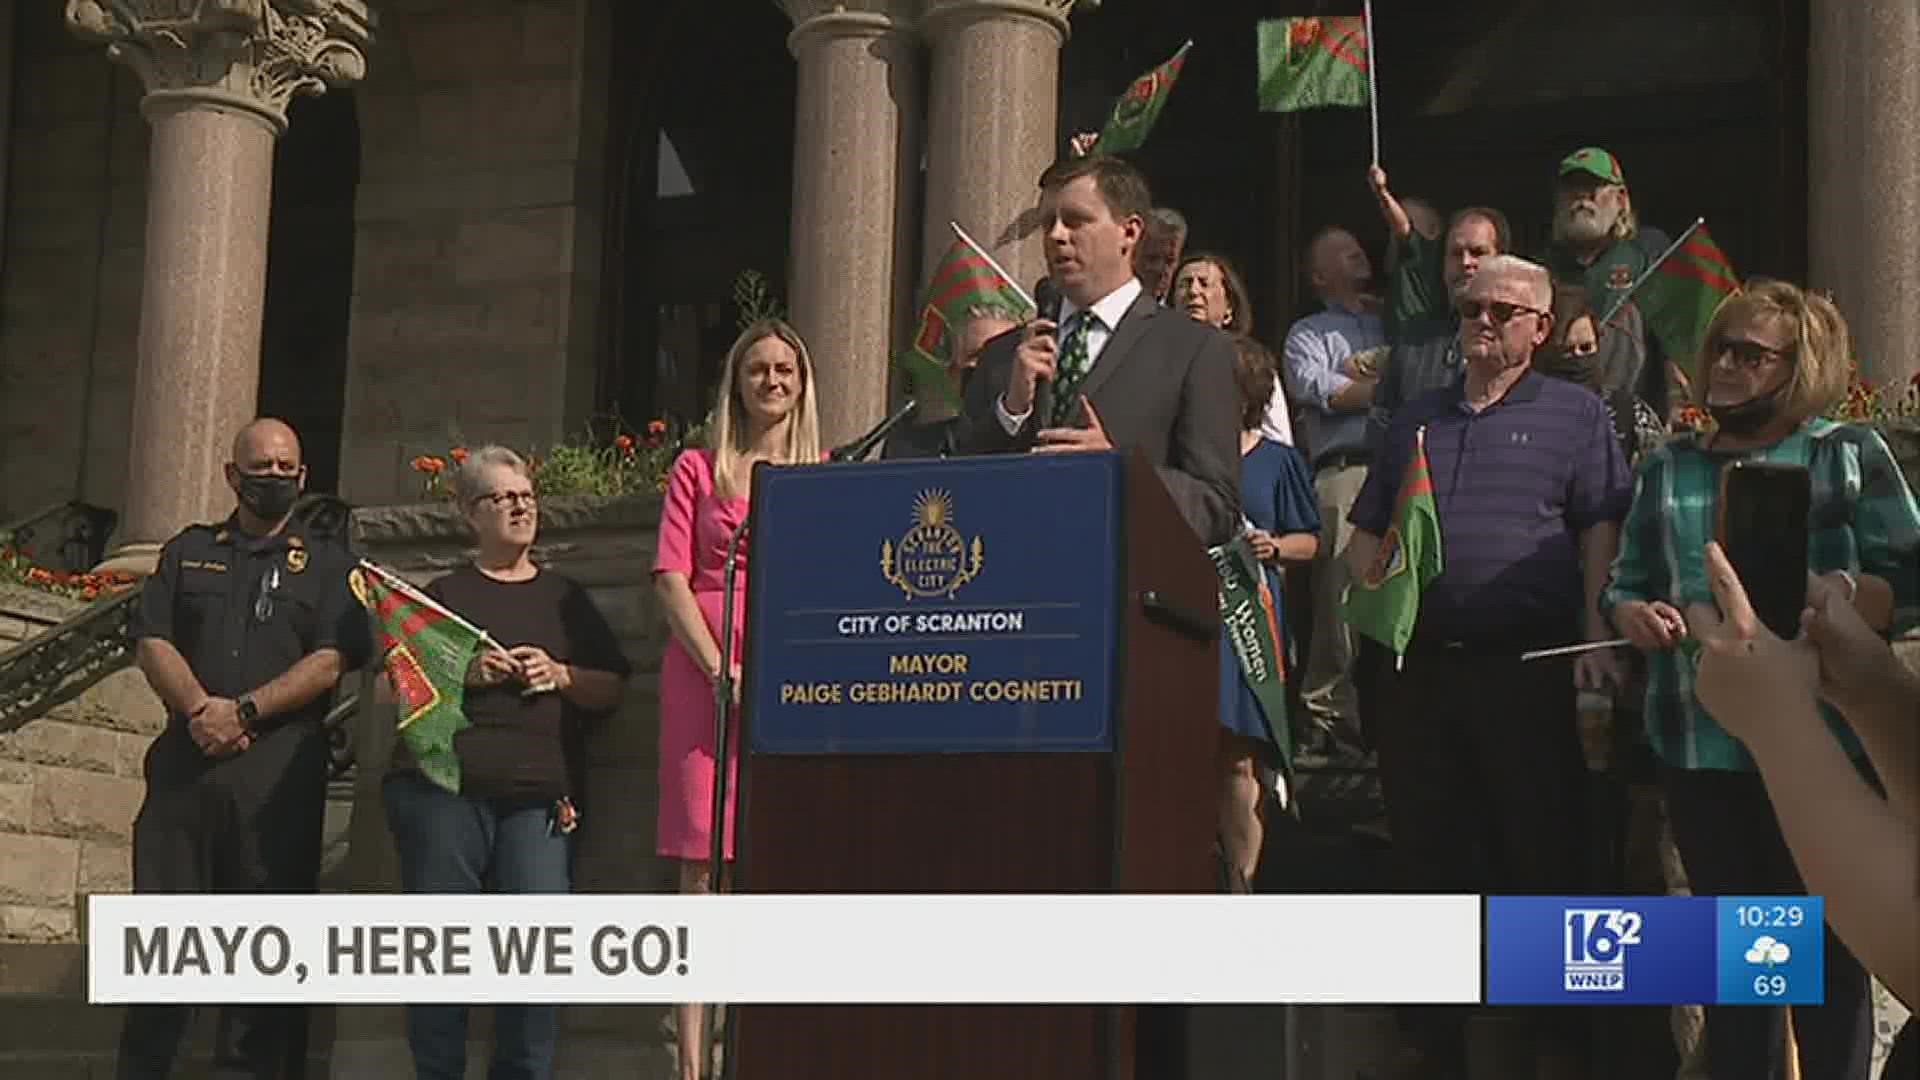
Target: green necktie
x,y
1073,367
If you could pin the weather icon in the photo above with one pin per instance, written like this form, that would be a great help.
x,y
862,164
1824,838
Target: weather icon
x,y
1768,951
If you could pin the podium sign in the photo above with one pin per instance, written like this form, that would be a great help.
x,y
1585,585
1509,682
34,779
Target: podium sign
x,y
936,607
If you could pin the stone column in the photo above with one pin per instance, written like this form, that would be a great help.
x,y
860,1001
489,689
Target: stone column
x,y
1863,89
856,154
218,79
992,124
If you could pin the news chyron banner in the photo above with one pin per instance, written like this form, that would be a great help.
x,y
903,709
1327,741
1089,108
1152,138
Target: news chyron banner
x,y
782,949
961,606
1665,950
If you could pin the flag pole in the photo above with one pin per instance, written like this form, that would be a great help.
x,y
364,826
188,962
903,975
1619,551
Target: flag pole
x,y
991,261
1373,84
1651,267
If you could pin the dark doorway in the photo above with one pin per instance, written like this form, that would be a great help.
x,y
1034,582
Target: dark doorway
x,y
303,347
1703,101
700,185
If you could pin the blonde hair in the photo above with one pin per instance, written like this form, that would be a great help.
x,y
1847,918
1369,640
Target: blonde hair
x,y
730,426
1822,355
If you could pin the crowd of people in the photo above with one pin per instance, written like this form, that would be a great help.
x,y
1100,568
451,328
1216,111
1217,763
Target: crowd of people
x,y
1575,507
1569,513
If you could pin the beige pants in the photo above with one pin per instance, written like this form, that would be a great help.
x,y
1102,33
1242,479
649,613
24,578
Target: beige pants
x,y
1328,689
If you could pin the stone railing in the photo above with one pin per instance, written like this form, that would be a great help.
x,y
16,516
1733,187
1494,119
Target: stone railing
x,y
607,545
70,783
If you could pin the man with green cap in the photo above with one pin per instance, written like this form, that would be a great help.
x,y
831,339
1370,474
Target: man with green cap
x,y
1597,242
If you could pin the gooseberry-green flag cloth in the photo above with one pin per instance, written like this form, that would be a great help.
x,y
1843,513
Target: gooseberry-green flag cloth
x,y
1683,290
966,279
1134,114
1312,62
426,650
1384,602
1252,621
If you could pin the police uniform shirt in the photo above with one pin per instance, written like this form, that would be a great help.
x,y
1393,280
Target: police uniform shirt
x,y
242,610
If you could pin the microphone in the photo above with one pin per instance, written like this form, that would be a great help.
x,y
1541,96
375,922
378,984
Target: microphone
x,y
861,447
1046,297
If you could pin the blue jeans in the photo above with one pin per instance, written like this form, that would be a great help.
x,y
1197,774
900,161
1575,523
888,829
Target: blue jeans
x,y
453,844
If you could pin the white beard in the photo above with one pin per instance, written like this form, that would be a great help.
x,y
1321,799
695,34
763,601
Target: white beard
x,y
1583,228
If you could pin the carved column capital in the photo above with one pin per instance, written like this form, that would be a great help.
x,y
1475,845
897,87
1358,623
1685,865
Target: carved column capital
x,y
253,55
941,16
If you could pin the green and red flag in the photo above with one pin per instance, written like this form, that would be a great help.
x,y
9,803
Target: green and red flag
x,y
1134,114
1681,292
1384,602
1313,61
426,650
966,278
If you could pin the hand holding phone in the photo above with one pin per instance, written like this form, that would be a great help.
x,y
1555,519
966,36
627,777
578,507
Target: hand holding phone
x,y
1762,526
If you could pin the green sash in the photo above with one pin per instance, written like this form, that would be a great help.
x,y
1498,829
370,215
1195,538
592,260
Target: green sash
x,y
1252,625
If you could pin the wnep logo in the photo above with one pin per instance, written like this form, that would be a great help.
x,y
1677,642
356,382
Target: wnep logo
x,y
1596,948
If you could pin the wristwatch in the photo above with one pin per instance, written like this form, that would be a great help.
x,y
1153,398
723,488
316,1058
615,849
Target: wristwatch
x,y
249,712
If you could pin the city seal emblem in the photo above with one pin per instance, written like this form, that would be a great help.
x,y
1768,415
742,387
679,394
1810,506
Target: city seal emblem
x,y
932,558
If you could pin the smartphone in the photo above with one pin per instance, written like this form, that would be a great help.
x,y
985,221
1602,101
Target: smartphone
x,y
1762,526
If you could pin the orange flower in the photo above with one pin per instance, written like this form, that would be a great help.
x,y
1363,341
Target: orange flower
x,y
458,454
420,464
624,443
436,466
656,427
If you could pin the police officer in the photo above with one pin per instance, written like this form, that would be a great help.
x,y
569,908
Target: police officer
x,y
242,631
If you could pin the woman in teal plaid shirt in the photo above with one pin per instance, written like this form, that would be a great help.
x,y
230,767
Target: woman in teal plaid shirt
x,y
1775,358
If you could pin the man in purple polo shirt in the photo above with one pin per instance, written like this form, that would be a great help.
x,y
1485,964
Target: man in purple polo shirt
x,y
1480,756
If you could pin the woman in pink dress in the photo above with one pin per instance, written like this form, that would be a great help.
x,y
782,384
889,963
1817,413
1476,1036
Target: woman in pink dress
x,y
765,412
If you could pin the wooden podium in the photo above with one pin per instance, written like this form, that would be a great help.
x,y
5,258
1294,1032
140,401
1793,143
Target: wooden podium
x,y
971,798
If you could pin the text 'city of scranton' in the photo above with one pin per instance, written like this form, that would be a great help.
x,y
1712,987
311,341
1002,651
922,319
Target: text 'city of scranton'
x,y
934,622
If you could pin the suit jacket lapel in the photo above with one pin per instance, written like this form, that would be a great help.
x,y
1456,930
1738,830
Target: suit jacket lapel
x,y
1133,327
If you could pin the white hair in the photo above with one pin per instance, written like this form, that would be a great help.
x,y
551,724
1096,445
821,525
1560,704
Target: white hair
x,y
469,479
1536,277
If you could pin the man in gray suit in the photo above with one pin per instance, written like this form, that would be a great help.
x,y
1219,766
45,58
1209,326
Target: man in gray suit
x,y
1111,369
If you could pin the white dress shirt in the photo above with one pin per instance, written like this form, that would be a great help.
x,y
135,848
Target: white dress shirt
x,y
1110,309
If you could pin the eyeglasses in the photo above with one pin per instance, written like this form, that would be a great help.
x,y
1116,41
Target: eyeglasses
x,y
1500,311
263,603
1748,354
508,498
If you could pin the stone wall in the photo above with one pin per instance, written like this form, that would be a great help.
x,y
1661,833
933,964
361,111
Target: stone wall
x,y
607,545
478,246
69,788
70,297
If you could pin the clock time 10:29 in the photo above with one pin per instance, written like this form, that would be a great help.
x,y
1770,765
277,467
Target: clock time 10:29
x,y
1770,916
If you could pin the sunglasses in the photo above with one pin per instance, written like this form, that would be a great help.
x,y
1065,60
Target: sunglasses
x,y
1748,354
1499,311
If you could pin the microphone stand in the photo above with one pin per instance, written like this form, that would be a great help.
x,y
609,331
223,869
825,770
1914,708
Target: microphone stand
x,y
722,706
861,447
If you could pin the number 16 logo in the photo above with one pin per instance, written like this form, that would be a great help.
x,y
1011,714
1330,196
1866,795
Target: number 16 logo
x,y
1599,936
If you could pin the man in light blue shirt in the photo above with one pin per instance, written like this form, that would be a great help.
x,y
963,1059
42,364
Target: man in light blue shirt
x,y
1332,360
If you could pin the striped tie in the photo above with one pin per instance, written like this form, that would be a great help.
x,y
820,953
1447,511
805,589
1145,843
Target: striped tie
x,y
1073,367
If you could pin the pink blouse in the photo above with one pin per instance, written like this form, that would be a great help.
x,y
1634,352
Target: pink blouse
x,y
696,525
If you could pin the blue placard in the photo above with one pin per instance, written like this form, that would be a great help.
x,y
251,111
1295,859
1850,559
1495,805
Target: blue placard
x,y
1658,950
1772,950
926,606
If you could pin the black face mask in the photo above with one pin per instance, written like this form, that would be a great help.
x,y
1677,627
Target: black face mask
x,y
269,497
1747,417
